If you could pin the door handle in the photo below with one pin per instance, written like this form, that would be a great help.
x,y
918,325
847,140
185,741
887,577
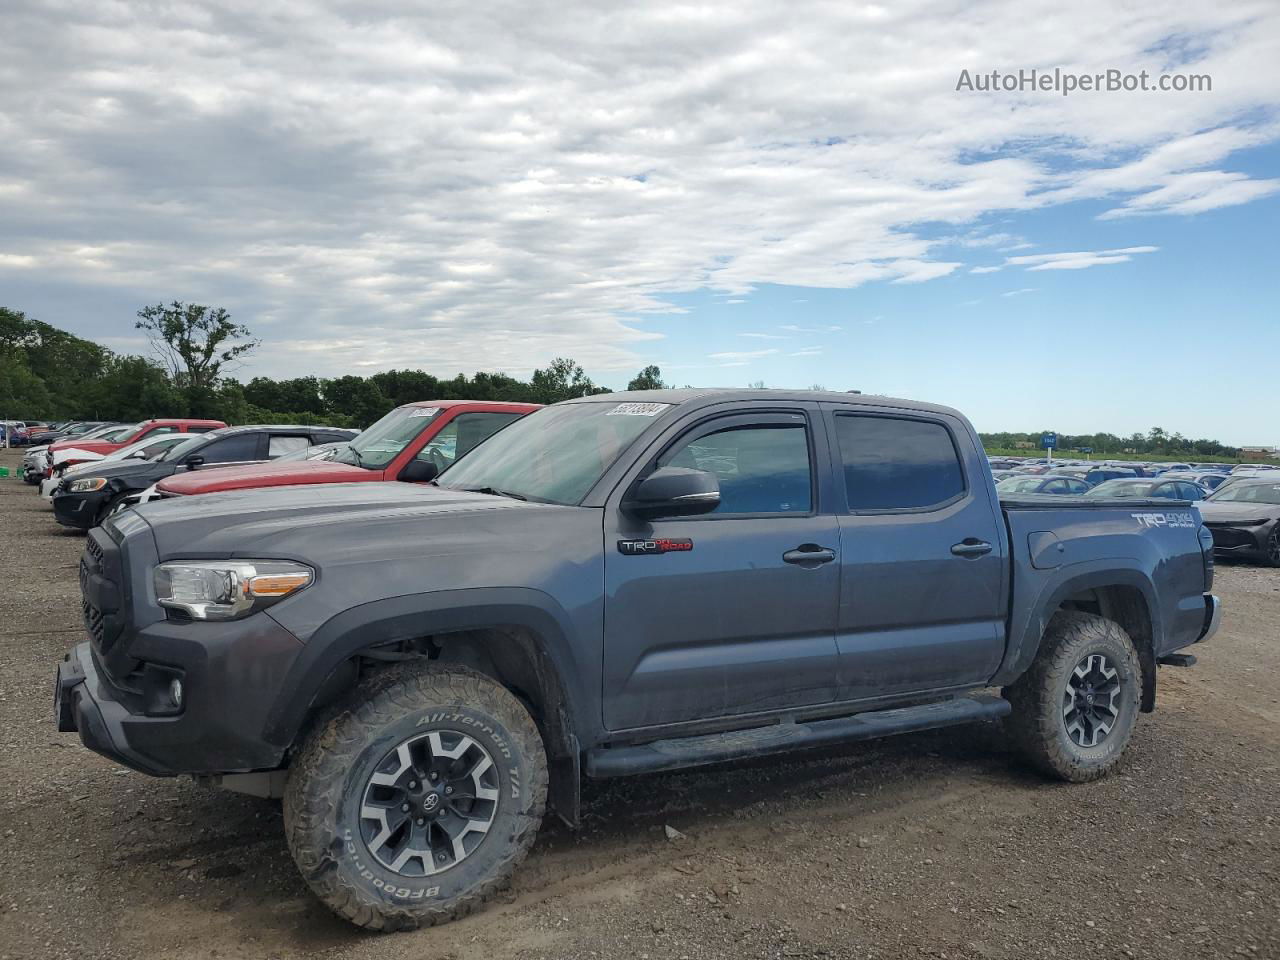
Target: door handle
x,y
971,547
809,555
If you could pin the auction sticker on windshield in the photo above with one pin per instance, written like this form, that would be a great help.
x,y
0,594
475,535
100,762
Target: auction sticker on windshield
x,y
425,412
637,409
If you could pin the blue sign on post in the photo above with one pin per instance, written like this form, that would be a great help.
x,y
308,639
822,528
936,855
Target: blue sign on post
x,y
1049,441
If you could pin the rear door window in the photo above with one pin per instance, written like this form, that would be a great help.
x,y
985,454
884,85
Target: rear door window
x,y
894,463
233,449
279,444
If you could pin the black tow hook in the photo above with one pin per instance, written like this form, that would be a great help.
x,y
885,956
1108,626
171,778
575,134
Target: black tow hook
x,y
1177,660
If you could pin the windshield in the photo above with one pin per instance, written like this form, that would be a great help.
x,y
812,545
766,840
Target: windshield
x,y
178,451
97,433
1248,493
148,448
120,433
381,443
1019,484
1120,488
556,454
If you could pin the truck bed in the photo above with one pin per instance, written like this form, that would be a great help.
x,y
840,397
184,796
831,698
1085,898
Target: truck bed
x,y
1062,547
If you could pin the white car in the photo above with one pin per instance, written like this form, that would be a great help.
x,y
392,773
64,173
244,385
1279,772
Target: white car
x,y
35,463
142,450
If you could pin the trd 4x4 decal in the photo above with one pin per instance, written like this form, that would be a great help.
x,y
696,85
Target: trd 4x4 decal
x,y
641,548
1164,519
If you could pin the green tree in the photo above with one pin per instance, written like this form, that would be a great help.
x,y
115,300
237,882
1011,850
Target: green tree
x,y
355,397
562,380
407,386
132,388
194,343
650,378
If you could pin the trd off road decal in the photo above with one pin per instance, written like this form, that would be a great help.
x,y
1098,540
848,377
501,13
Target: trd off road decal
x,y
643,548
1164,519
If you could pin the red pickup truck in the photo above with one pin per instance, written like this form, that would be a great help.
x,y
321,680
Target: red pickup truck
x,y
411,443
147,428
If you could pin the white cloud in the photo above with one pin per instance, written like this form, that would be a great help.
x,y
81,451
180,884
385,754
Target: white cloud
x,y
764,336
806,352
1018,293
490,185
1078,260
1197,192
986,269
794,328
741,356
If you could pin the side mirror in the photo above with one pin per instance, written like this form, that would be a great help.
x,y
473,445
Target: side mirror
x,y
194,462
674,492
419,471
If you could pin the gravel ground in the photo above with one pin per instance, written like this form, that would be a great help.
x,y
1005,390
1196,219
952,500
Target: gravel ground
x,y
935,845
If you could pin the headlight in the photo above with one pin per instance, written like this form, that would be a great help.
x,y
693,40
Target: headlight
x,y
87,485
227,589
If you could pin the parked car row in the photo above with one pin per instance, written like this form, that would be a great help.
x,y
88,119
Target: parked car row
x,y
1240,504
96,470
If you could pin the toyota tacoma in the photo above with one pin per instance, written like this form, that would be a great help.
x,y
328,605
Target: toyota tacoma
x,y
614,585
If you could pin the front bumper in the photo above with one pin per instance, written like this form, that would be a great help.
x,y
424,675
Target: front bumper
x,y
231,675
84,704
79,510
1239,541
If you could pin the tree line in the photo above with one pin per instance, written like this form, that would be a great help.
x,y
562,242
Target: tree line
x,y
1156,442
50,374
47,373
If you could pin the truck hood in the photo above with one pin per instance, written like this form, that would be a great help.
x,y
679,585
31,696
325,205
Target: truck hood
x,y
289,473
1230,512
313,523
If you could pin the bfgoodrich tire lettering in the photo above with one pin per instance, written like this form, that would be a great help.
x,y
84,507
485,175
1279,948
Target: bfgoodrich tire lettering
x,y
1075,709
326,798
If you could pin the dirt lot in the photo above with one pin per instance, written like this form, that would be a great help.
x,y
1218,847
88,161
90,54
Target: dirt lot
x,y
935,845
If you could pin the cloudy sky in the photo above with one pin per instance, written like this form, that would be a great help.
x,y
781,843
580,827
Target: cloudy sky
x,y
779,191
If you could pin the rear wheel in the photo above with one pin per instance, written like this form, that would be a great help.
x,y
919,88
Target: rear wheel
x,y
1074,710
414,802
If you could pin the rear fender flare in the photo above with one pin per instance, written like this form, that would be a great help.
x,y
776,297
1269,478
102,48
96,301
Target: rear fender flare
x,y
1028,623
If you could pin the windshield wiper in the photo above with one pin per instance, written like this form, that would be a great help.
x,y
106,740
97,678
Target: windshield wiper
x,y
494,492
356,453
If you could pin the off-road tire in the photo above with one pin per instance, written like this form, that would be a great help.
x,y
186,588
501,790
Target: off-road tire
x,y
329,777
1037,723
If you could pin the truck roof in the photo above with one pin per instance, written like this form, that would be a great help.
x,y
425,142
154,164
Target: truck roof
x,y
707,395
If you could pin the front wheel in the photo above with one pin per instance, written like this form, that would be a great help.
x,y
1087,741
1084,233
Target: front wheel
x,y
1273,547
1074,710
414,802
117,504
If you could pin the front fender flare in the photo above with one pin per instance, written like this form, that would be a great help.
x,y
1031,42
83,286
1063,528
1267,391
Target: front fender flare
x,y
411,616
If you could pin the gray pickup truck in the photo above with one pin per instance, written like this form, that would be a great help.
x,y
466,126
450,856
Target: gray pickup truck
x,y
611,586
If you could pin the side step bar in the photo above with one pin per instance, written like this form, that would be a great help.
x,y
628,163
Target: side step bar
x,y
783,737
